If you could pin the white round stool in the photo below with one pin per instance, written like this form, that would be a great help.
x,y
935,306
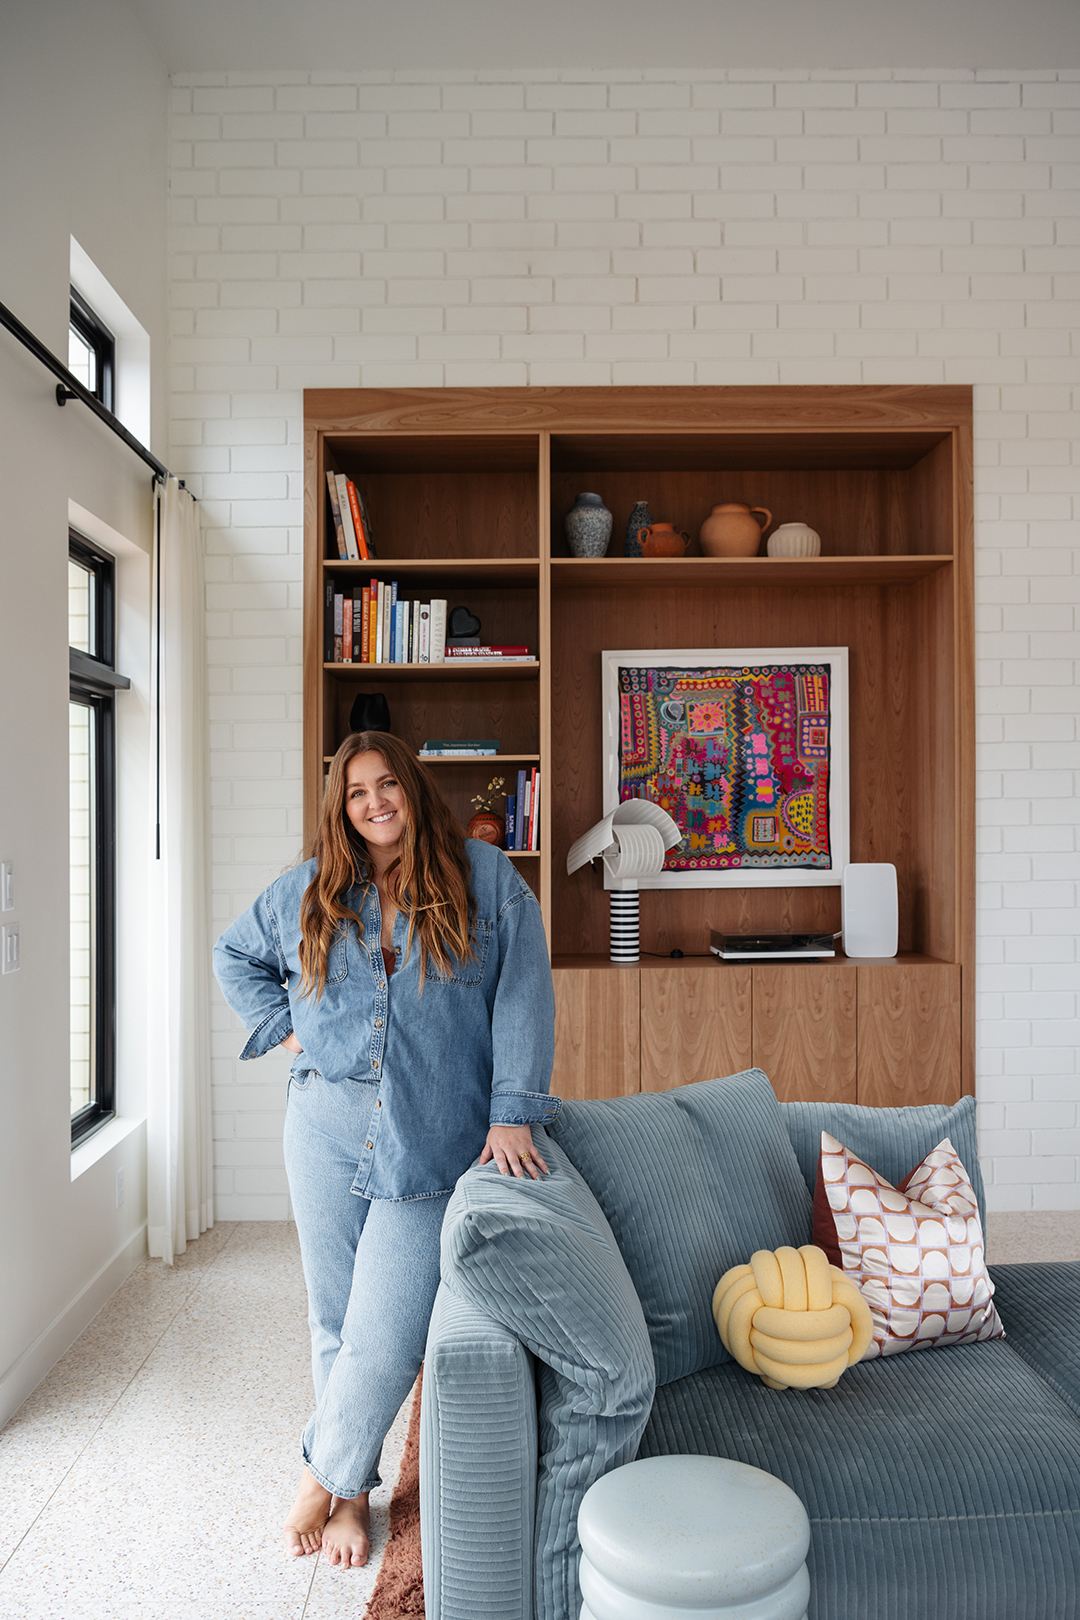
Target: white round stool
x,y
693,1538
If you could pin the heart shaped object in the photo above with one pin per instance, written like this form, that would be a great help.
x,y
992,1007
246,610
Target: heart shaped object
x,y
462,624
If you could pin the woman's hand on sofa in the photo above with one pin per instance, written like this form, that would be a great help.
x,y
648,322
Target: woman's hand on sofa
x,y
511,1146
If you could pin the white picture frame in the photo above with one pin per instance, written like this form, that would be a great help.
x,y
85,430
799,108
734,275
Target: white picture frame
x,y
741,877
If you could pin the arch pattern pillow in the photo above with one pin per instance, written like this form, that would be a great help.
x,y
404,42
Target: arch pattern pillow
x,y
916,1251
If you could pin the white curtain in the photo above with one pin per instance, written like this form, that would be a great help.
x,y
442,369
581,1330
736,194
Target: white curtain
x,y
179,1138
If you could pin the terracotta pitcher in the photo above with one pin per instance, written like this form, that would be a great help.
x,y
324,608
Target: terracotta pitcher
x,y
732,530
663,540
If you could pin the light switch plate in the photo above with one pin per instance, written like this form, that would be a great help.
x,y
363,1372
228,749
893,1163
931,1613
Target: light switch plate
x,y
7,885
9,948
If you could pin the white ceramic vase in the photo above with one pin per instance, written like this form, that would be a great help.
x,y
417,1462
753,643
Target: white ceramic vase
x,y
794,540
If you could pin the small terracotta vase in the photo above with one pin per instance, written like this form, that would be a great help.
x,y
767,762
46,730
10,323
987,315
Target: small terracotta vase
x,y
732,530
486,826
663,540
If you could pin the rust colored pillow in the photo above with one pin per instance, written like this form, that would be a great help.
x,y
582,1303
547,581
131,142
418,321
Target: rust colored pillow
x,y
916,1251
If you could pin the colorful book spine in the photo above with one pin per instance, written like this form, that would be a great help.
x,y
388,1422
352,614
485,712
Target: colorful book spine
x,y
438,629
373,610
346,630
328,622
352,550
380,626
534,811
365,625
357,623
339,603
335,511
392,657
425,633
511,819
358,521
518,820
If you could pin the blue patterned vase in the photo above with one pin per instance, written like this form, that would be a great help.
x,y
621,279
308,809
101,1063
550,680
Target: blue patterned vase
x,y
588,526
640,518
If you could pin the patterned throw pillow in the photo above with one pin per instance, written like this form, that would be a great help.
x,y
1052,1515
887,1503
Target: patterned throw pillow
x,y
916,1251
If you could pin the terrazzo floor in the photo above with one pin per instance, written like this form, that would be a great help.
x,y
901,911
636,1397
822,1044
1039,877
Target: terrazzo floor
x,y
149,1474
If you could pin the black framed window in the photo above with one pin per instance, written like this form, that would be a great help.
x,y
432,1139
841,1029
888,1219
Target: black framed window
x,y
92,834
91,350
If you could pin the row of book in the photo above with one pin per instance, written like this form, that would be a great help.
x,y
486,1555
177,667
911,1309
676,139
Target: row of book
x,y
369,625
352,526
523,812
459,747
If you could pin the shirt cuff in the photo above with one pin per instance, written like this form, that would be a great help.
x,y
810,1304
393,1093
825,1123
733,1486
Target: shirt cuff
x,y
270,1033
523,1108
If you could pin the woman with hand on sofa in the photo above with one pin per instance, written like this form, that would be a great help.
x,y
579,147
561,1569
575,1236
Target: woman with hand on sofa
x,y
406,968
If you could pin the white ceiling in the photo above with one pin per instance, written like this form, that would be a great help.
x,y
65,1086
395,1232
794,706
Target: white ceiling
x,y
219,35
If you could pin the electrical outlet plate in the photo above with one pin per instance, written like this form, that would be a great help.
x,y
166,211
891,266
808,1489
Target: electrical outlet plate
x,y
9,948
7,885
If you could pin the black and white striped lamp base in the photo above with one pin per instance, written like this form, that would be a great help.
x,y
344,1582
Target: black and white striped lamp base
x,y
625,925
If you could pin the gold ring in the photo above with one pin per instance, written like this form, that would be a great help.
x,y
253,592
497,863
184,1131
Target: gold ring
x,y
526,1158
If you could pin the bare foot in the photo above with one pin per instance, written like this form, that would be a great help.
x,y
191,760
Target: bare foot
x,y
345,1538
310,1511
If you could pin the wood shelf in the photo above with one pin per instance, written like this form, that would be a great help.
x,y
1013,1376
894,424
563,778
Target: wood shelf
x,y
468,759
704,571
706,958
474,668
484,570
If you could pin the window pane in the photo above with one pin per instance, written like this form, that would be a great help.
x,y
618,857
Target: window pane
x,y
82,361
81,772
80,606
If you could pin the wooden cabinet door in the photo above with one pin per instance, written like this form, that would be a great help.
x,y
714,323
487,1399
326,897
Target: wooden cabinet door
x,y
909,1033
597,1047
805,1030
695,1024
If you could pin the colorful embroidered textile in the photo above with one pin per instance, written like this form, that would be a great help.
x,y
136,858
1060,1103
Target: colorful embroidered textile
x,y
739,757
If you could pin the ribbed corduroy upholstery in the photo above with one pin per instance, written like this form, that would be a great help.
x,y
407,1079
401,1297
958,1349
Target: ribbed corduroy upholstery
x,y
891,1141
540,1258
940,1484
1040,1306
693,1181
478,1453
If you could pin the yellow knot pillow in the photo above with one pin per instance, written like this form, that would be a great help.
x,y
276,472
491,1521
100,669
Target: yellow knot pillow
x,y
792,1318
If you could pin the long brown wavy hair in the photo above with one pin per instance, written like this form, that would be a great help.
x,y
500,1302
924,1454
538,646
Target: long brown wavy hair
x,y
429,880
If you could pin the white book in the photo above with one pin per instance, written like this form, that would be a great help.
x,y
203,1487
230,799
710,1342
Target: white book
x,y
347,525
414,637
399,632
425,633
534,839
438,630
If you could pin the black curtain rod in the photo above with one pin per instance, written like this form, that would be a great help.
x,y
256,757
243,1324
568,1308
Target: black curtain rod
x,y
70,387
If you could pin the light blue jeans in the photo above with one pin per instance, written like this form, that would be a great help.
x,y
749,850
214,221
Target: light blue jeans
x,y
371,1268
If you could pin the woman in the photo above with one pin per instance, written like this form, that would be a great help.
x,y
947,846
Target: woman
x,y
406,968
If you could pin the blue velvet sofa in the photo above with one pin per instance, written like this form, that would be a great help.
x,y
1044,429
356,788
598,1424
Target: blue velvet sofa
x,y
573,1332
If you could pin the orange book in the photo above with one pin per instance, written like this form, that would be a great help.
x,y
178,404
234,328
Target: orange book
x,y
365,628
358,522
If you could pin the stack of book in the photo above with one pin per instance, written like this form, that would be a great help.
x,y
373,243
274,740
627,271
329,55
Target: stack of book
x,y
458,747
508,655
369,625
523,812
352,526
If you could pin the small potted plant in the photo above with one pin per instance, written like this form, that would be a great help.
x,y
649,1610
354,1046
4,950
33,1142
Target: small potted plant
x,y
486,825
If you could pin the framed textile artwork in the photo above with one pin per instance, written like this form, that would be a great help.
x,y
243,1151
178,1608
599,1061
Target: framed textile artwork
x,y
747,748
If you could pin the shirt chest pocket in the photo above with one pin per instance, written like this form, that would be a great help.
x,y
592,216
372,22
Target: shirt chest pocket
x,y
472,972
337,963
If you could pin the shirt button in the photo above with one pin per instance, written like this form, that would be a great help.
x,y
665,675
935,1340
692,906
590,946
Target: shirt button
x,y
378,1023
375,1064
379,1103
369,1144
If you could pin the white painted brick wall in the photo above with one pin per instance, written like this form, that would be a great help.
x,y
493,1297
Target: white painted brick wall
x,y
549,228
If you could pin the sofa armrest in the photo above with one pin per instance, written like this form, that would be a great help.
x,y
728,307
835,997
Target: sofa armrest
x,y
478,1460
1039,1306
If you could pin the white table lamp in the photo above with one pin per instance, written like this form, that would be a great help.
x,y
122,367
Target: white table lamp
x,y
632,842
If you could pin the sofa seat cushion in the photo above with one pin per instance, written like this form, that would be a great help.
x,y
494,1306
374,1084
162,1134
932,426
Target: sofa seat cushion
x,y
940,1486
693,1181
1040,1305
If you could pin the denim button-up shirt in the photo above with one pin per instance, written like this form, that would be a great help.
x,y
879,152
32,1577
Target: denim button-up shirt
x,y
431,1071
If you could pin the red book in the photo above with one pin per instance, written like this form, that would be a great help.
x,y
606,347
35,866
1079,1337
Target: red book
x,y
358,522
346,631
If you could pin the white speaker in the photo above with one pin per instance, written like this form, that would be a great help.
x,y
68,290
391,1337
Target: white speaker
x,y
868,909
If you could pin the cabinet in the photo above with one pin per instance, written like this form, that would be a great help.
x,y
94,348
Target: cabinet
x,y
467,489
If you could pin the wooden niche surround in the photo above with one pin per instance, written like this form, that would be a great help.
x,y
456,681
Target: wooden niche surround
x,y
467,489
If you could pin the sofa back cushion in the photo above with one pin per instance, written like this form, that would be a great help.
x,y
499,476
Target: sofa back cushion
x,y
692,1181
892,1140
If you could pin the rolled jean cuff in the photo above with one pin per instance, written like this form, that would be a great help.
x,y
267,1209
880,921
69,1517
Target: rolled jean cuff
x,y
273,1029
328,1484
523,1108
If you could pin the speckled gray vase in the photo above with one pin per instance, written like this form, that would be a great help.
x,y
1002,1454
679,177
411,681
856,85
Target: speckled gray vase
x,y
640,518
588,526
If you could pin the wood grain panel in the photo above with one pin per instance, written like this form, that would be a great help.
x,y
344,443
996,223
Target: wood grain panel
x,y
597,1044
695,1023
804,1024
909,1034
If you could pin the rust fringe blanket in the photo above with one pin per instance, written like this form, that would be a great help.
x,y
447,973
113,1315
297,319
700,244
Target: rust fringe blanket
x,y
399,1590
